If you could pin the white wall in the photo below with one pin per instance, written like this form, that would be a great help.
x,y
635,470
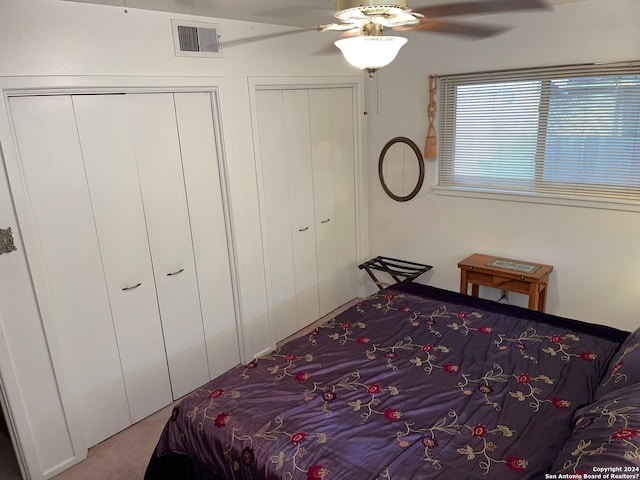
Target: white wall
x,y
595,252
51,37
49,42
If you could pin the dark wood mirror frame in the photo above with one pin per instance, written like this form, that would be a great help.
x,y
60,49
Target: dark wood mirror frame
x,y
420,179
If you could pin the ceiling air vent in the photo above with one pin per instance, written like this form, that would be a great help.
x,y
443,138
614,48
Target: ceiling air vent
x,y
195,39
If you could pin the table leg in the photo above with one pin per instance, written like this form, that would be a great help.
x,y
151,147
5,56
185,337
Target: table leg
x,y
463,281
475,290
533,296
542,300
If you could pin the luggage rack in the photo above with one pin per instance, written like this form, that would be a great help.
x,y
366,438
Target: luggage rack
x,y
394,267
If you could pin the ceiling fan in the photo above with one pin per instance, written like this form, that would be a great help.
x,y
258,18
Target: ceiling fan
x,y
395,14
363,22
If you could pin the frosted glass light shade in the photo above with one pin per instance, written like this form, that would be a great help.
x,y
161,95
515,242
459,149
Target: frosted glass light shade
x,y
370,52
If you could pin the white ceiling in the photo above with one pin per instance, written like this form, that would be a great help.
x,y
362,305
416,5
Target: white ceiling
x,y
297,13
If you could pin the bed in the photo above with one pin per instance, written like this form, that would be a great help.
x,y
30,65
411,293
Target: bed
x,y
416,382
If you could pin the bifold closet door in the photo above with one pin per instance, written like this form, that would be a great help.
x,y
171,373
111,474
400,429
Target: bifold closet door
x,y
297,151
200,164
307,157
285,156
106,126
71,275
333,152
156,231
277,211
117,247
158,157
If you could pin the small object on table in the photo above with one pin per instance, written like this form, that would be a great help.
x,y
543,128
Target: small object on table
x,y
394,267
506,274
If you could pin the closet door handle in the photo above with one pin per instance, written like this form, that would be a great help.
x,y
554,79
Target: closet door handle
x,y
325,221
132,287
303,229
175,273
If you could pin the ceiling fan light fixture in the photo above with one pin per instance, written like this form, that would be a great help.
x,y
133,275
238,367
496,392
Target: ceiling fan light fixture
x,y
360,10
370,53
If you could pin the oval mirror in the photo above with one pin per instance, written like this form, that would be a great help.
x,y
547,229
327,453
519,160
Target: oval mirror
x,y
401,169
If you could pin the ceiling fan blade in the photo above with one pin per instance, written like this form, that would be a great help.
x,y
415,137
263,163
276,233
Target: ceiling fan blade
x,y
296,11
478,8
339,27
267,36
293,15
467,29
354,32
331,49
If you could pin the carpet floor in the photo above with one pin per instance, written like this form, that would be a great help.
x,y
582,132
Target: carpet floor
x,y
123,456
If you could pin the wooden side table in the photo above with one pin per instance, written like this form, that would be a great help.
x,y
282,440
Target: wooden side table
x,y
506,274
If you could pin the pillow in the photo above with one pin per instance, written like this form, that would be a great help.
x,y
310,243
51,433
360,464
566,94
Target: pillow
x,y
605,438
624,368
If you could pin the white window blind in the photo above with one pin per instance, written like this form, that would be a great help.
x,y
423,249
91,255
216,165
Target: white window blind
x,y
571,130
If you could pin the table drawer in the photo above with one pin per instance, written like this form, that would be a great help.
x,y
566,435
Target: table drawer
x,y
489,280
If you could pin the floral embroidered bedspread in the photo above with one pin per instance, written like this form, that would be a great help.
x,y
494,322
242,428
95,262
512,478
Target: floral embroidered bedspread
x,y
411,383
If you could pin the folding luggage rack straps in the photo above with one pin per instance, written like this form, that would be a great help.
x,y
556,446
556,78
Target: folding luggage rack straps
x,y
394,267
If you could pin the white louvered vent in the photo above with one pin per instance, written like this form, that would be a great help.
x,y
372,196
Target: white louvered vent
x,y
195,39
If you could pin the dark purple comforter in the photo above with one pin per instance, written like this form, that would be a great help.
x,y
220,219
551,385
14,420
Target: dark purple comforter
x,y
412,383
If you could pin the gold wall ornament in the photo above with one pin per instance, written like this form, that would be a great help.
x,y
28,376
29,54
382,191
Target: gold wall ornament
x,y
430,147
6,241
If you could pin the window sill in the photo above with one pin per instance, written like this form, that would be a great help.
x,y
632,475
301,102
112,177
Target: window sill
x,y
540,198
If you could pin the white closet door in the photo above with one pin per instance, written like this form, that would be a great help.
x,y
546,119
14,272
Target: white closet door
x,y
307,157
324,191
204,196
297,151
104,126
277,210
157,151
332,140
80,315
343,137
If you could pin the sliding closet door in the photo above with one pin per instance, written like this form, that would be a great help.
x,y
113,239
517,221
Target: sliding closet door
x,y
80,315
106,127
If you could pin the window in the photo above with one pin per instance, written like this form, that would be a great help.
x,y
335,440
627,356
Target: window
x,y
562,130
